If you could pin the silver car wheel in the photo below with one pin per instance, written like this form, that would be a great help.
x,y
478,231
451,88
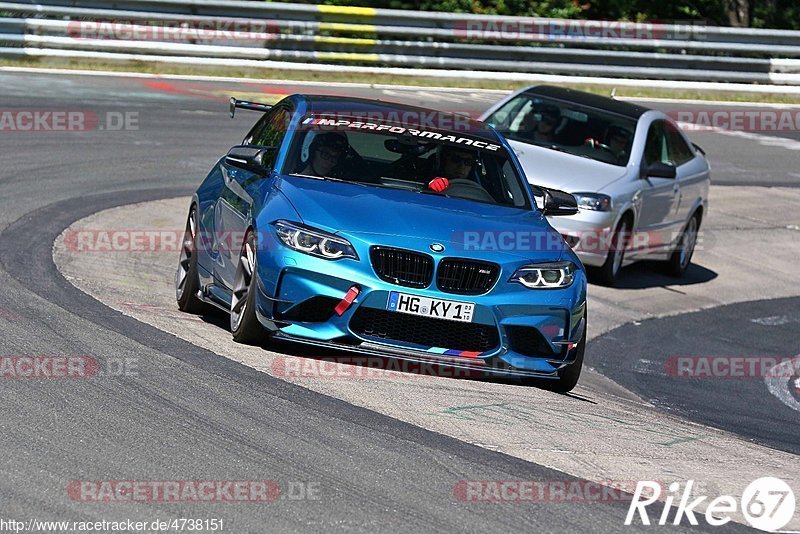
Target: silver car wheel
x,y
187,250
688,242
619,249
242,283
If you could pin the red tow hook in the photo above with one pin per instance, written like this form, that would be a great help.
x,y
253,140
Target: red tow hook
x,y
347,301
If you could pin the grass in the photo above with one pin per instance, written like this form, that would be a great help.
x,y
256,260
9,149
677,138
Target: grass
x,y
392,79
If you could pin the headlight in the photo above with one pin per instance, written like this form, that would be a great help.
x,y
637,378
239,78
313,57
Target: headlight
x,y
314,242
593,201
546,275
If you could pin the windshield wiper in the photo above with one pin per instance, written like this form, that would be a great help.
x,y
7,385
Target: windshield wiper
x,y
314,177
551,146
326,178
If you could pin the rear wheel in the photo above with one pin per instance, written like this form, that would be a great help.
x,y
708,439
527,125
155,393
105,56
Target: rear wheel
x,y
681,257
607,274
244,322
187,281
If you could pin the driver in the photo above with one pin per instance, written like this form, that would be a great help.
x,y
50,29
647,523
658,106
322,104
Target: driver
x,y
545,128
617,139
327,150
455,164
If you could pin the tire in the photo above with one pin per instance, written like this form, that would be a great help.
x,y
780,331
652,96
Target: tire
x,y
681,257
567,376
608,272
187,281
245,326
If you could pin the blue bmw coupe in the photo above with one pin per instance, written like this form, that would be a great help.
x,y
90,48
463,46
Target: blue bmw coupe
x,y
386,230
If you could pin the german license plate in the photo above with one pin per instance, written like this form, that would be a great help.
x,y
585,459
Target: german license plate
x,y
428,307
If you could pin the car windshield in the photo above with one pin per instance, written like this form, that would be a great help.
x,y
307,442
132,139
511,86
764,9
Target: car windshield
x,y
566,127
375,154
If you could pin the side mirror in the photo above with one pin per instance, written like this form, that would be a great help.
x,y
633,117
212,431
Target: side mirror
x,y
248,157
660,170
558,203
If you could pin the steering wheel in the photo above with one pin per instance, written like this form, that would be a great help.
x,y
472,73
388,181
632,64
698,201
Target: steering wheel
x,y
468,189
594,143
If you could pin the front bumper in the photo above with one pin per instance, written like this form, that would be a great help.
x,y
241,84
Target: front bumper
x,y
515,330
588,233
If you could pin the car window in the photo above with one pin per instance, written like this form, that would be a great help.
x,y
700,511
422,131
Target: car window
x,y
270,131
679,150
566,127
386,154
373,147
514,191
655,149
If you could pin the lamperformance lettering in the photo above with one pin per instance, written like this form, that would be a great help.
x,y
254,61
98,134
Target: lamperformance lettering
x,y
400,130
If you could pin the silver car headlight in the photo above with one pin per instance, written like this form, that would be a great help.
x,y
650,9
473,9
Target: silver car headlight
x,y
593,201
314,242
555,275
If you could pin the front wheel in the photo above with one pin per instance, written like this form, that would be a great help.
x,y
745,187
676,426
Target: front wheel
x,y
607,274
244,322
567,376
681,257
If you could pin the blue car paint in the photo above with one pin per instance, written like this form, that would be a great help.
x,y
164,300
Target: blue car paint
x,y
234,200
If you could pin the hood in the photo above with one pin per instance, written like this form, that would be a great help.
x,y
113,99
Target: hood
x,y
401,218
559,170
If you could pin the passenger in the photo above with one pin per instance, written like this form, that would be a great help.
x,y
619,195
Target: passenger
x,y
327,150
543,130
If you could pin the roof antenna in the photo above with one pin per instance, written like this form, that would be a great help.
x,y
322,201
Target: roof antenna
x,y
614,92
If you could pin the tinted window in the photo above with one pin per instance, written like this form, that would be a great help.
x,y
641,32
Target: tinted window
x,y
567,127
655,148
399,157
270,131
679,150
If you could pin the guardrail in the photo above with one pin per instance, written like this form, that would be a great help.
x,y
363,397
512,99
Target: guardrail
x,y
213,31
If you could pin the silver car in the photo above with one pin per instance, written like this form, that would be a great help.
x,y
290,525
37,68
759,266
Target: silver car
x,y
641,185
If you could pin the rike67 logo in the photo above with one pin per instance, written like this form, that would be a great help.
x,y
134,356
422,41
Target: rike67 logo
x,y
767,504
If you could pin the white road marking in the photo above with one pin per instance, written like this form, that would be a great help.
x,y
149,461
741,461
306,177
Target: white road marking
x,y
778,379
731,103
773,320
253,81
764,140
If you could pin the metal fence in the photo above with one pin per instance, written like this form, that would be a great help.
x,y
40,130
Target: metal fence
x,y
219,32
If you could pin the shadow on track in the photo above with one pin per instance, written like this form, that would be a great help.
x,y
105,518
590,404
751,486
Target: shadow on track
x,y
648,274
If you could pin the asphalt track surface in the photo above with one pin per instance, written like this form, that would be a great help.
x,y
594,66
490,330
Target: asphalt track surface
x,y
733,403
189,411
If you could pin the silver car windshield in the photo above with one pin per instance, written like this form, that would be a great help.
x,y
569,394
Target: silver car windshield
x,y
566,127
475,169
